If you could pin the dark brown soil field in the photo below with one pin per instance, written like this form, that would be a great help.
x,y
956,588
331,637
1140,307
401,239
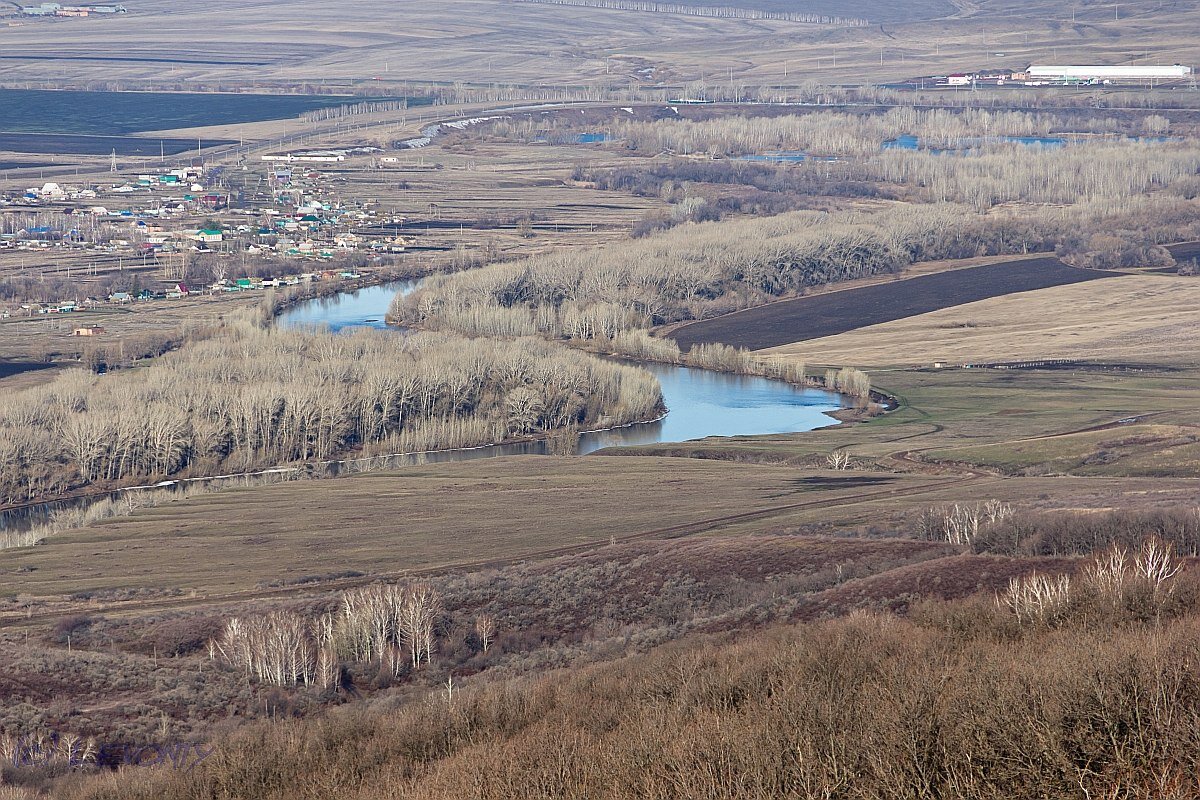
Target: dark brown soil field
x,y
79,144
837,312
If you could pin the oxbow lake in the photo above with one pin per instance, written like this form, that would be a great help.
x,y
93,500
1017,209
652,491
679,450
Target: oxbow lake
x,y
700,403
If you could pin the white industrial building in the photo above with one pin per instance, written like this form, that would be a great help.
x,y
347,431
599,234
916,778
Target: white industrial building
x,y
1097,73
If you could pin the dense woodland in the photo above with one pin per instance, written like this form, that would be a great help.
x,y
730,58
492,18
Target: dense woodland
x,y
831,133
845,134
706,269
250,397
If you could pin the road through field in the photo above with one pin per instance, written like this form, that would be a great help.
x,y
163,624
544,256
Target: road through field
x,y
831,313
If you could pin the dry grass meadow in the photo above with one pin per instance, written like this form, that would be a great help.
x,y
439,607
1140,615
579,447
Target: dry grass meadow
x,y
423,518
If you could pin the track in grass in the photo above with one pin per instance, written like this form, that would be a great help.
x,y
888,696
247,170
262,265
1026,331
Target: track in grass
x,y
837,312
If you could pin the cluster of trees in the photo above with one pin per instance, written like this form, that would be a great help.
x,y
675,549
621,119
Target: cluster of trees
x,y
374,624
848,381
710,268
675,180
991,172
251,397
1139,581
1098,172
962,523
830,133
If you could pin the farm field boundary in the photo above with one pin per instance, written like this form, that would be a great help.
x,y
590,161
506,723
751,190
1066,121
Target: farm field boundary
x,y
832,313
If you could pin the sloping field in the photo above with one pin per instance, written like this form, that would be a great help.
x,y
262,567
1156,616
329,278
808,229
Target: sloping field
x,y
829,314
1134,319
1150,450
436,516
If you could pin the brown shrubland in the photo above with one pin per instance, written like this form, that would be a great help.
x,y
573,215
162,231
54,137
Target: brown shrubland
x,y
953,702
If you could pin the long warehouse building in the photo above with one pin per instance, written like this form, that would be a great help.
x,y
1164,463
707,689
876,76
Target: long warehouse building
x,y
1126,73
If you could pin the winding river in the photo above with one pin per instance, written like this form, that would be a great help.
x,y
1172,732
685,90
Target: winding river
x,y
700,403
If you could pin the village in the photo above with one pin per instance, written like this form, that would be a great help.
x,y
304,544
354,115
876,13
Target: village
x,y
185,231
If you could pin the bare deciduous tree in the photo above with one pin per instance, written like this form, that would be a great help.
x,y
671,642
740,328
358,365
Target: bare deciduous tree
x,y
418,613
1108,573
1156,564
838,460
1037,597
485,629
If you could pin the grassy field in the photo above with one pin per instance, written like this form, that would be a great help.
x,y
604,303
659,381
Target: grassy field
x,y
248,543
1131,449
420,519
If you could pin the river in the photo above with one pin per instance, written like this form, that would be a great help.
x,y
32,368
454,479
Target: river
x,y
700,403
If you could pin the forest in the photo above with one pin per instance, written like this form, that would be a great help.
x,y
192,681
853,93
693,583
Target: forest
x,y
707,269
250,397
835,133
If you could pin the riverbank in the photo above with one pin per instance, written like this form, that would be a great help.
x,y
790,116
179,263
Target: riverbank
x,y
706,403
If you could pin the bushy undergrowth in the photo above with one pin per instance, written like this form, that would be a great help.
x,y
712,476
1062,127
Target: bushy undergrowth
x,y
1066,533
958,701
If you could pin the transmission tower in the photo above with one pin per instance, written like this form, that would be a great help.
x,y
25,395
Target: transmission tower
x,y
112,167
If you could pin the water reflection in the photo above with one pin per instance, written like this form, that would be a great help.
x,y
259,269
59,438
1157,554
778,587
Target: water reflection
x,y
364,308
700,404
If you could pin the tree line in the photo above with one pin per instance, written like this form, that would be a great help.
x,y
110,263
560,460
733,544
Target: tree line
x,y
701,270
831,133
